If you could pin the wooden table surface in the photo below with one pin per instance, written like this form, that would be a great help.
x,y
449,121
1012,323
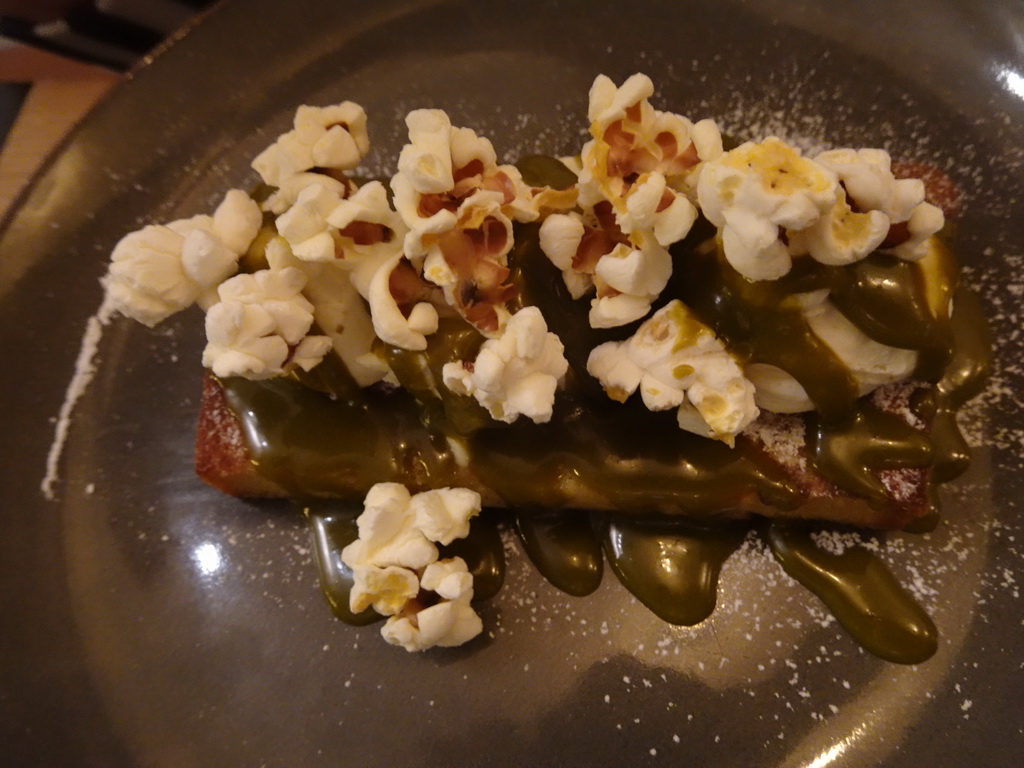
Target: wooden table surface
x,y
62,91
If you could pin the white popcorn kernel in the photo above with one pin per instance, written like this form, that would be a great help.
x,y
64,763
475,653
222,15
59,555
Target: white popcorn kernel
x,y
447,624
448,181
257,323
616,310
426,161
386,589
507,383
707,139
634,271
754,191
145,279
305,224
443,515
390,325
160,270
237,220
842,237
287,156
387,535
450,578
924,222
866,175
560,235
641,159
310,352
332,137
288,192
676,361
366,224
206,260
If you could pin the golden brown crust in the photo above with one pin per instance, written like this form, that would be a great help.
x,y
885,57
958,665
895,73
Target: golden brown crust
x,y
223,461
222,458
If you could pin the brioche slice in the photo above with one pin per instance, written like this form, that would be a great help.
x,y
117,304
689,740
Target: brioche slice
x,y
224,460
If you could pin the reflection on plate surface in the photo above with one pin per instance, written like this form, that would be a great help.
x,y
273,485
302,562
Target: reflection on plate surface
x,y
150,620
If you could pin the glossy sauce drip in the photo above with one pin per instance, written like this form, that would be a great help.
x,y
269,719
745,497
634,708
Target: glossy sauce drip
x,y
564,548
861,593
963,379
849,453
673,570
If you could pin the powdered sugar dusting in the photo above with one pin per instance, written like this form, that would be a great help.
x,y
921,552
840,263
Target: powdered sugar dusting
x,y
85,370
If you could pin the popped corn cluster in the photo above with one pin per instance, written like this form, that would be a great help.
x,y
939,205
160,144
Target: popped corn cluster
x,y
772,205
164,268
397,570
636,187
677,362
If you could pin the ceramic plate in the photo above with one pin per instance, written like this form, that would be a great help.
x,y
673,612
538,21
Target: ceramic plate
x,y
148,620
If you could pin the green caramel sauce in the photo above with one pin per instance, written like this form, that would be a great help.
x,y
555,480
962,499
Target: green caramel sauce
x,y
861,593
563,547
673,570
324,437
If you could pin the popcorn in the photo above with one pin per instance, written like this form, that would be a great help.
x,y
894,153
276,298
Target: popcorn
x,y
366,224
561,239
866,175
258,328
592,252
333,138
515,373
387,532
443,516
448,623
285,196
635,177
458,204
635,146
386,590
305,226
757,191
677,362
163,269
772,204
395,565
390,324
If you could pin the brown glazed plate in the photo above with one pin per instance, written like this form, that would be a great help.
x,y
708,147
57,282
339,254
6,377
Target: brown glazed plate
x,y
145,619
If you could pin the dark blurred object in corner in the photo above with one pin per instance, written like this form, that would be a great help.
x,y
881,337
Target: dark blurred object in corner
x,y
111,33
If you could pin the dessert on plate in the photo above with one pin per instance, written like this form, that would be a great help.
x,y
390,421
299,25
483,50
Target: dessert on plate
x,y
638,345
